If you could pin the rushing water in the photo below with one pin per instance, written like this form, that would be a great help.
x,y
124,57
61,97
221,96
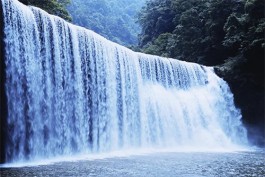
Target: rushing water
x,y
71,91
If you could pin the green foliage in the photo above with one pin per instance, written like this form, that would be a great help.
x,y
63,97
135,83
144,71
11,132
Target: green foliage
x,y
113,19
245,34
55,7
161,45
155,18
205,31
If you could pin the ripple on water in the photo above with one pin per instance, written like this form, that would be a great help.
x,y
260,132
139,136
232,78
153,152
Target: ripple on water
x,y
154,165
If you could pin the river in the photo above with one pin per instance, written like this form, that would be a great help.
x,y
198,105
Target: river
x,y
183,164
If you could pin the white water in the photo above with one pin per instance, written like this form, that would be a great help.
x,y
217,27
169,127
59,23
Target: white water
x,y
71,91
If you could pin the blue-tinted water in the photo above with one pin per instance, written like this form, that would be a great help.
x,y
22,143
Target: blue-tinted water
x,y
183,164
70,91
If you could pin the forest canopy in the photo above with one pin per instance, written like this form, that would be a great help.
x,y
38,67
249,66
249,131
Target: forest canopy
x,y
113,19
204,31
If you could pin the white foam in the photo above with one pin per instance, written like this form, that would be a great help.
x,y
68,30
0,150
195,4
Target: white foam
x,y
72,91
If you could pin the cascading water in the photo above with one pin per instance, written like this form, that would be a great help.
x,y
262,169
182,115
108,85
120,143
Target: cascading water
x,y
71,91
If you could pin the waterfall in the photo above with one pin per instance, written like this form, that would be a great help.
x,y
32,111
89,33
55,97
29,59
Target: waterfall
x,y
71,91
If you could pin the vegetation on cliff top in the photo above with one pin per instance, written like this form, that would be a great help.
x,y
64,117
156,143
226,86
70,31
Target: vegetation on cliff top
x,y
205,31
113,19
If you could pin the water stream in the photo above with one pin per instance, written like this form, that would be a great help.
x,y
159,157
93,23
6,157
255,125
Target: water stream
x,y
71,91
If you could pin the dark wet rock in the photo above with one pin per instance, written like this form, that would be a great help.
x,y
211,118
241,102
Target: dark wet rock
x,y
247,84
26,2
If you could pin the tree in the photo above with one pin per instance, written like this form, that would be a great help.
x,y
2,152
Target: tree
x,y
55,7
245,34
113,19
196,28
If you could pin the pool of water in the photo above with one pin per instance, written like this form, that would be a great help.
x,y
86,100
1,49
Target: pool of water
x,y
183,164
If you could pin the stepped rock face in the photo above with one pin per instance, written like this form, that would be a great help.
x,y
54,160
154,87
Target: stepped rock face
x,y
67,90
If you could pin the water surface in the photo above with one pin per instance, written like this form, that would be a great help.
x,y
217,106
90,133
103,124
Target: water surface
x,y
185,164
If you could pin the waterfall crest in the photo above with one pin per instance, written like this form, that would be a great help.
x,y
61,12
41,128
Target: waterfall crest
x,y
71,91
